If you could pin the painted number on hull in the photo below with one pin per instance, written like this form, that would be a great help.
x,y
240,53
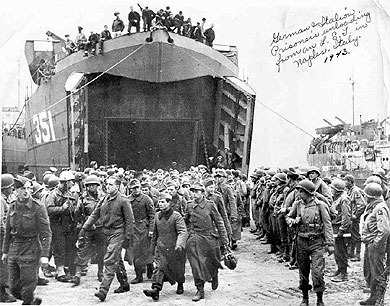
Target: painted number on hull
x,y
44,127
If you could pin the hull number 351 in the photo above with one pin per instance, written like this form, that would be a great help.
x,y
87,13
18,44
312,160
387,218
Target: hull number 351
x,y
44,130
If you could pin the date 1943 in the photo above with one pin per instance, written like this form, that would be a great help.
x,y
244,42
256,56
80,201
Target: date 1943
x,y
341,52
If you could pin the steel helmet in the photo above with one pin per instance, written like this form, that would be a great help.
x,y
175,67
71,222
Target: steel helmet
x,y
7,180
349,177
373,190
46,178
281,177
36,188
270,172
373,179
52,182
66,176
381,174
92,179
338,185
307,186
313,169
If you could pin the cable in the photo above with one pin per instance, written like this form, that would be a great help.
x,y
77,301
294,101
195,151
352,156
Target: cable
x,y
270,109
90,82
13,126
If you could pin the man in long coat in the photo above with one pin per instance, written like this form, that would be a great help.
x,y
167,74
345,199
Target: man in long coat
x,y
170,236
143,210
202,219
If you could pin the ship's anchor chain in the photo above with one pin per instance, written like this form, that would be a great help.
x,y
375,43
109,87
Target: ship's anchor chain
x,y
205,145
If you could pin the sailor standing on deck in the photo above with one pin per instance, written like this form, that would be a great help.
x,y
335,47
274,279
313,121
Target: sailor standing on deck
x,y
117,26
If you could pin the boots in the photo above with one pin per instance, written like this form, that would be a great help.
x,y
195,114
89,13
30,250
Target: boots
x,y
214,282
380,300
305,298
138,276
342,277
122,288
180,288
372,299
357,254
5,297
101,295
153,293
149,270
234,244
320,301
199,294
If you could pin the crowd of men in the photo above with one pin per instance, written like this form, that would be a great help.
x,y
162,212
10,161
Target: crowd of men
x,y
162,19
300,215
162,218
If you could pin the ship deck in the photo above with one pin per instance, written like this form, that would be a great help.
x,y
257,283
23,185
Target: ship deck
x,y
131,56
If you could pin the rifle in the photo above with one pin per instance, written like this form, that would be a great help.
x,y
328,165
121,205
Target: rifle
x,y
140,7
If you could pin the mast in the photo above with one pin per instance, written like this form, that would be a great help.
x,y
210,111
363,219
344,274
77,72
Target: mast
x,y
353,100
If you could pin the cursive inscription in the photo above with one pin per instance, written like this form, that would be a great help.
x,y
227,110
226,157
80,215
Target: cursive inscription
x,y
331,36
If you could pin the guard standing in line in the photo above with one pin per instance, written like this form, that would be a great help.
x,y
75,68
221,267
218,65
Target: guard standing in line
x,y
86,205
321,187
358,205
291,196
170,236
26,242
341,227
7,187
375,233
117,217
314,232
203,252
143,210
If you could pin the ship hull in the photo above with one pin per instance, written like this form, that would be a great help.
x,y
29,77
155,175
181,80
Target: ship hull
x,y
170,113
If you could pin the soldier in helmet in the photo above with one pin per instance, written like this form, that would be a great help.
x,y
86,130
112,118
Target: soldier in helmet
x,y
213,195
26,242
170,236
314,231
341,228
85,206
321,187
291,195
358,204
144,213
275,202
203,252
61,207
7,187
116,215
375,233
227,194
